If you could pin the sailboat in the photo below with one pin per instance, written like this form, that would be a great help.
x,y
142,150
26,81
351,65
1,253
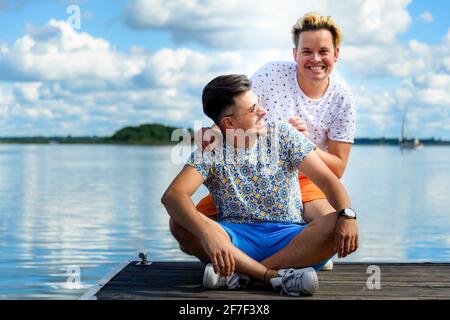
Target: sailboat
x,y
408,143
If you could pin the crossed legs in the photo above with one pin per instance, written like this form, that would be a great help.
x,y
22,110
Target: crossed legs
x,y
313,245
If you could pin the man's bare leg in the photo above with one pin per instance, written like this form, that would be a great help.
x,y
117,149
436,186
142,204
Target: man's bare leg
x,y
243,263
313,245
316,209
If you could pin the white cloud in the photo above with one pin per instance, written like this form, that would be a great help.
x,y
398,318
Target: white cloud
x,y
193,69
250,24
35,113
96,87
57,52
431,88
405,92
168,68
433,96
44,53
28,91
6,98
435,80
427,101
218,24
103,89
446,63
426,17
424,91
371,21
171,92
375,111
398,60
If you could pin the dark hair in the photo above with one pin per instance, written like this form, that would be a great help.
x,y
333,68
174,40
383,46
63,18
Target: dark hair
x,y
218,95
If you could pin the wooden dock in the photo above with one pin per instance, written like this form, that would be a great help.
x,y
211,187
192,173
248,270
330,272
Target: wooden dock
x,y
350,281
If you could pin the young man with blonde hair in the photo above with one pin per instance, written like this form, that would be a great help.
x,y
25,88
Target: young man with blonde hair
x,y
304,94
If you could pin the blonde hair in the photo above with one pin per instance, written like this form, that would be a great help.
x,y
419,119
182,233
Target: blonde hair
x,y
314,21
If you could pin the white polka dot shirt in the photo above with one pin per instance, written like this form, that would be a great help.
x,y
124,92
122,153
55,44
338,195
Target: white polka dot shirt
x,y
331,117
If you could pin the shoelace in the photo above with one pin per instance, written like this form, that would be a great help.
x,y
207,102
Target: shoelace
x,y
291,283
232,282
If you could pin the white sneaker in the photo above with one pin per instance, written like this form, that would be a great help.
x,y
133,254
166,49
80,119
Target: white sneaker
x,y
328,266
295,282
212,280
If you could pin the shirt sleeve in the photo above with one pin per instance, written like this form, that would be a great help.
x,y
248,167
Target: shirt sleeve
x,y
294,145
260,82
343,125
198,161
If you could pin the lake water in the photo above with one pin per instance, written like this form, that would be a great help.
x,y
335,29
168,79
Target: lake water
x,y
89,208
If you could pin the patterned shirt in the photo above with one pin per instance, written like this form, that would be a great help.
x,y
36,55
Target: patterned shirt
x,y
258,183
332,116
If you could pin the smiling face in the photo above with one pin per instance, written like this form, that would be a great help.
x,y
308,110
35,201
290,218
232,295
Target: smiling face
x,y
247,114
315,55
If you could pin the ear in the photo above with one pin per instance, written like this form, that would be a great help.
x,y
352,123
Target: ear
x,y
336,55
227,123
294,53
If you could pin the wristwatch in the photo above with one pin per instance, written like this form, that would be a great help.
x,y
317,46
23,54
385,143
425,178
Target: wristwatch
x,y
348,213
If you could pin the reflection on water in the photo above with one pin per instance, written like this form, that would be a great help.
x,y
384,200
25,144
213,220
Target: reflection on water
x,y
403,201
95,206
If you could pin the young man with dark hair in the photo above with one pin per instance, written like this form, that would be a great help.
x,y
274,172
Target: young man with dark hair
x,y
258,230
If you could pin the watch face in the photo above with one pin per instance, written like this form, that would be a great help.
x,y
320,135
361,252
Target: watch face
x,y
349,213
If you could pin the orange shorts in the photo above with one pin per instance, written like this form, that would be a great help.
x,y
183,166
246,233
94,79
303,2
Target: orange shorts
x,y
308,189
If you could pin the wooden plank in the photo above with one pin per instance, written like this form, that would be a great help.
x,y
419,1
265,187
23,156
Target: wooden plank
x,y
324,290
91,294
182,280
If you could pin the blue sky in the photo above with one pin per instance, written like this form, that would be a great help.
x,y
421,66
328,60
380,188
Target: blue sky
x,y
144,61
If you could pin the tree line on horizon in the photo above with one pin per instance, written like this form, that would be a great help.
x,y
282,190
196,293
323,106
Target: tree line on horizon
x,y
159,134
145,134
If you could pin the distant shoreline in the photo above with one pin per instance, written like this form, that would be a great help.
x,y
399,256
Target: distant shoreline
x,y
158,135
108,141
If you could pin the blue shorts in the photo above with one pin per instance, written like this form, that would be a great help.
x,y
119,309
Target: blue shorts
x,y
262,240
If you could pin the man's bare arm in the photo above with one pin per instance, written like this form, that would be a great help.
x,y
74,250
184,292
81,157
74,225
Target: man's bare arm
x,y
178,202
337,156
319,173
338,152
346,237
179,205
